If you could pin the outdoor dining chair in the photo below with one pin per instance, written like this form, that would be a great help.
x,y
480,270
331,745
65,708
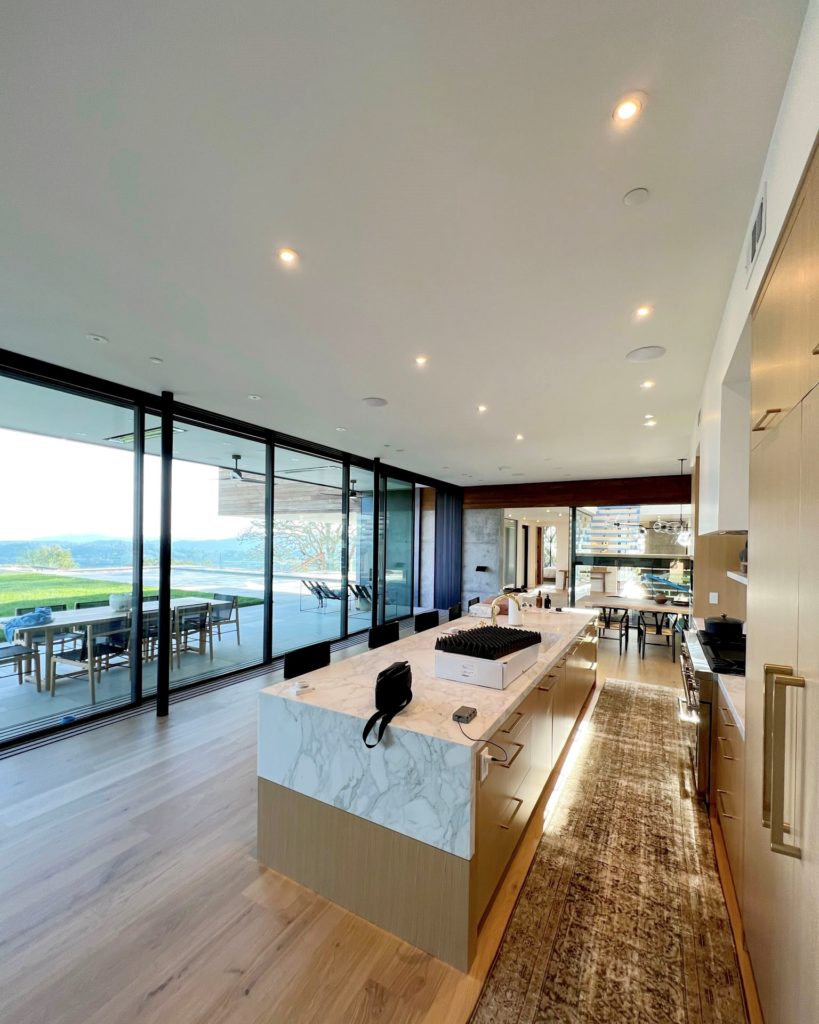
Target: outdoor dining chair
x,y
222,617
101,642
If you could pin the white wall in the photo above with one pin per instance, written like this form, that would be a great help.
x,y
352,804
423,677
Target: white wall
x,y
791,143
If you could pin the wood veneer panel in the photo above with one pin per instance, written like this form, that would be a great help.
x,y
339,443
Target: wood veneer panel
x,y
413,890
645,490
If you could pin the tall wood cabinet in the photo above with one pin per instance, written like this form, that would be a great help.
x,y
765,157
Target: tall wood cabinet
x,y
780,885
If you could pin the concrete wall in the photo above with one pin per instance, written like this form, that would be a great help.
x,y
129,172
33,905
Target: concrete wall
x,y
482,545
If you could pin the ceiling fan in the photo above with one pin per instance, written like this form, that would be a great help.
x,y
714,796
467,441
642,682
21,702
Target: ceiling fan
x,y
240,474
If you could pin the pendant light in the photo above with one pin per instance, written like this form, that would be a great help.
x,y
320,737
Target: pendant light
x,y
684,533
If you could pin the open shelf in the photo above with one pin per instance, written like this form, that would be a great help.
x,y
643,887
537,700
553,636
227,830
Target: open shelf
x,y
740,577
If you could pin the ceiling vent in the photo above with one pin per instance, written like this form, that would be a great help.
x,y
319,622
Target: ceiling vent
x,y
756,232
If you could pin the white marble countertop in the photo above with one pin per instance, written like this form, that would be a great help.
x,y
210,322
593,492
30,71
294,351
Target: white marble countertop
x,y
733,689
348,687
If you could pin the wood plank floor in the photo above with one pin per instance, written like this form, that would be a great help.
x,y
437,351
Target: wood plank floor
x,y
129,888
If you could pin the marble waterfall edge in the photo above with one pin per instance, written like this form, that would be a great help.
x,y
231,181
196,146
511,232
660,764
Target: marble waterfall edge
x,y
415,784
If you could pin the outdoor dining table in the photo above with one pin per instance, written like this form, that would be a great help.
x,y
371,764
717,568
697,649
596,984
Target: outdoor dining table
x,y
60,621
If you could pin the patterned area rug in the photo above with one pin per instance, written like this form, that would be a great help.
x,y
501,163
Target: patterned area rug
x,y
622,918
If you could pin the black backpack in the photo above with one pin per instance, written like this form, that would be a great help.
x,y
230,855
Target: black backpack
x,y
393,692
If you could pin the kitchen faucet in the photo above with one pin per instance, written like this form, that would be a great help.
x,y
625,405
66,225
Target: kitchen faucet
x,y
503,597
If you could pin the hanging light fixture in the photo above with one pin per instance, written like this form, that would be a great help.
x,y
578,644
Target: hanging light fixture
x,y
683,530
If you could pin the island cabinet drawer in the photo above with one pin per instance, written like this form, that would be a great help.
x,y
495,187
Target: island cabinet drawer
x,y
504,778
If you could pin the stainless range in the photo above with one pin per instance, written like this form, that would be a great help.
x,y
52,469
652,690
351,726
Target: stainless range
x,y
702,658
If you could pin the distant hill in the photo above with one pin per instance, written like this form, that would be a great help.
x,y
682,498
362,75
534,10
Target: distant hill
x,y
106,552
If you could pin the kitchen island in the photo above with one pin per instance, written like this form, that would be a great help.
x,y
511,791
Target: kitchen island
x,y
415,834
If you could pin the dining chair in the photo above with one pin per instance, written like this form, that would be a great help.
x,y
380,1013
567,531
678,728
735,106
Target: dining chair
x,y
617,621
306,659
18,654
101,642
662,625
91,604
426,620
221,617
193,620
380,636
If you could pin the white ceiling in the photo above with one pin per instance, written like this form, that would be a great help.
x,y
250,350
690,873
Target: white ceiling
x,y
450,173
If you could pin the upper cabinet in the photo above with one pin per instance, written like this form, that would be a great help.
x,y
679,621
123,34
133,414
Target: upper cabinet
x,y
785,333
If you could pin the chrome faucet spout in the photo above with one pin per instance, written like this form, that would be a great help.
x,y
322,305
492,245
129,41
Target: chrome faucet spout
x,y
496,602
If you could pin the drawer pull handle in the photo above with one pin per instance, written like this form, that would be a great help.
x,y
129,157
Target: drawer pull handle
x,y
815,350
513,758
768,412
727,718
728,757
518,804
509,729
722,811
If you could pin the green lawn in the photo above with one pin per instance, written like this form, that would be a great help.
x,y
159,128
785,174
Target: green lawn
x,y
30,589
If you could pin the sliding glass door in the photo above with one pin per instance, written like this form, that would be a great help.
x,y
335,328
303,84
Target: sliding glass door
x,y
66,556
310,593
397,548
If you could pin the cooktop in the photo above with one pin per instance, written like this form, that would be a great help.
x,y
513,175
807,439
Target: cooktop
x,y
726,657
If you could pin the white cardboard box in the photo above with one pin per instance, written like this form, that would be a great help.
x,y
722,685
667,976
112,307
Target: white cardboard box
x,y
481,671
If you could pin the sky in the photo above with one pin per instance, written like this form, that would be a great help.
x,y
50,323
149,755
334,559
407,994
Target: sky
x,y
72,488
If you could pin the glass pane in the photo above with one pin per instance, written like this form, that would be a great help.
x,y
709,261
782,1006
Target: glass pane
x,y
308,532
66,546
360,550
217,553
399,529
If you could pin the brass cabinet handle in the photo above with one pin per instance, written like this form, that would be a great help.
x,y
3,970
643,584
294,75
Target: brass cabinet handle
x,y
518,804
780,690
815,349
720,799
513,758
768,412
767,745
728,757
512,728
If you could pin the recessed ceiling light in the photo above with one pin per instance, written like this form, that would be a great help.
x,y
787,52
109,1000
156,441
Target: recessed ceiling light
x,y
81,433
341,430
401,450
650,423
388,446
647,384
255,398
481,408
100,339
649,416
374,402
642,355
421,360
518,437
156,360
444,467
643,312
636,197
287,257
628,108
